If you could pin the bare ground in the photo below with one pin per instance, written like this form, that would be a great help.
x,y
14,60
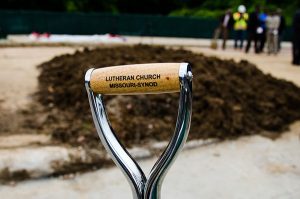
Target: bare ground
x,y
18,77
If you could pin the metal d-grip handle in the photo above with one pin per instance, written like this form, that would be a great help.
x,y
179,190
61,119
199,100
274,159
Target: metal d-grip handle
x,y
130,83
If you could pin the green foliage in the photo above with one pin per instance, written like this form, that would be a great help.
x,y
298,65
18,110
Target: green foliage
x,y
71,7
197,12
194,8
182,12
214,9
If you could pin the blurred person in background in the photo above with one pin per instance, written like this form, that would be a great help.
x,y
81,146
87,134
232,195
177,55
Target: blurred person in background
x,y
226,24
261,32
252,29
272,23
296,39
240,26
281,28
224,28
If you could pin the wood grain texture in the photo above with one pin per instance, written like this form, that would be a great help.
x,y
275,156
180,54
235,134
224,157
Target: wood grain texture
x,y
136,79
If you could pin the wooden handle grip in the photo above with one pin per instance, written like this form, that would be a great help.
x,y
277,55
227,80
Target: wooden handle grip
x,y
136,79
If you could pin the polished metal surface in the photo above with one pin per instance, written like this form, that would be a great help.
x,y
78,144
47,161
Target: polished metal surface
x,y
143,188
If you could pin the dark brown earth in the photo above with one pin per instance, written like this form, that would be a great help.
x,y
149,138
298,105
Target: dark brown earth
x,y
229,99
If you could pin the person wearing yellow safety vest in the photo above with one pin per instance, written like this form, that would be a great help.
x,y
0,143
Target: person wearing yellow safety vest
x,y
240,26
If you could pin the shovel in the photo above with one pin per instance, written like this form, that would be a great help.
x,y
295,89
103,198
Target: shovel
x,y
138,79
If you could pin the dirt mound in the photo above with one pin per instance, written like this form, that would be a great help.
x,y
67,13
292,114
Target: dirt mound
x,y
229,99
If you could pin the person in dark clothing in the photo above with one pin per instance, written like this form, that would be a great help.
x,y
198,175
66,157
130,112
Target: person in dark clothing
x,y
281,28
226,24
296,38
253,25
261,32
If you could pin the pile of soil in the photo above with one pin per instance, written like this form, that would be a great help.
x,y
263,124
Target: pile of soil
x,y
229,99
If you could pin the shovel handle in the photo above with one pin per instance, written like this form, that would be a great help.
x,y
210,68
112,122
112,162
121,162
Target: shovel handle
x,y
137,79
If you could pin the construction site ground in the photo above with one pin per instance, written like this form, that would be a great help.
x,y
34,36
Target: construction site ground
x,y
249,167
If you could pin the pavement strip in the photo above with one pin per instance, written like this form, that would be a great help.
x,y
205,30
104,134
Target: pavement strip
x,y
252,167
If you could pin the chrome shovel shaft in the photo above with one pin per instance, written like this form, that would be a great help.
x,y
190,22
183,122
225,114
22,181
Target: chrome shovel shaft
x,y
142,187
